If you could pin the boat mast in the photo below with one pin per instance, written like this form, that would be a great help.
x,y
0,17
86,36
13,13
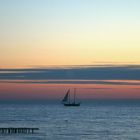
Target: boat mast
x,y
69,97
74,94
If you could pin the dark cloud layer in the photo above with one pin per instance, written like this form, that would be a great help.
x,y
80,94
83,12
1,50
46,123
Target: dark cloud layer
x,y
129,72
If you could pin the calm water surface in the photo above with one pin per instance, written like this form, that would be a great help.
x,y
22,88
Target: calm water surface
x,y
94,120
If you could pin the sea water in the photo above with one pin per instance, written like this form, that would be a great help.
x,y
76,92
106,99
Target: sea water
x,y
93,120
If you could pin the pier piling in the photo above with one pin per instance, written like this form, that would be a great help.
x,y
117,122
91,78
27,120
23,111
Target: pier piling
x,y
19,130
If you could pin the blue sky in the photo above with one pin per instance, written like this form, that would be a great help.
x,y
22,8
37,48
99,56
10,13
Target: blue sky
x,y
49,32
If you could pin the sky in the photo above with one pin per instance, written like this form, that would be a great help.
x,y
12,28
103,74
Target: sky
x,y
52,83
62,32
36,34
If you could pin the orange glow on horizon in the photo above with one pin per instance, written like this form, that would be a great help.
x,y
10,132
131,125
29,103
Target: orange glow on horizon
x,y
57,91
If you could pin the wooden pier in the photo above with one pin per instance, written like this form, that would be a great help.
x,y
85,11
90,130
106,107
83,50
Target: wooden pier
x,y
19,130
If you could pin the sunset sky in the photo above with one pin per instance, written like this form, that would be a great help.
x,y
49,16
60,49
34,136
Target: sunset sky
x,y
42,38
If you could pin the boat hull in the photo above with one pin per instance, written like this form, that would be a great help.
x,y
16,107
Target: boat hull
x,y
72,104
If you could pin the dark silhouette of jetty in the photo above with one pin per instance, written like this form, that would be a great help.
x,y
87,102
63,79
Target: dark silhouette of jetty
x,y
19,130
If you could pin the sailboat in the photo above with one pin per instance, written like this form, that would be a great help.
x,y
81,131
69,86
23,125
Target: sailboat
x,y
67,101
